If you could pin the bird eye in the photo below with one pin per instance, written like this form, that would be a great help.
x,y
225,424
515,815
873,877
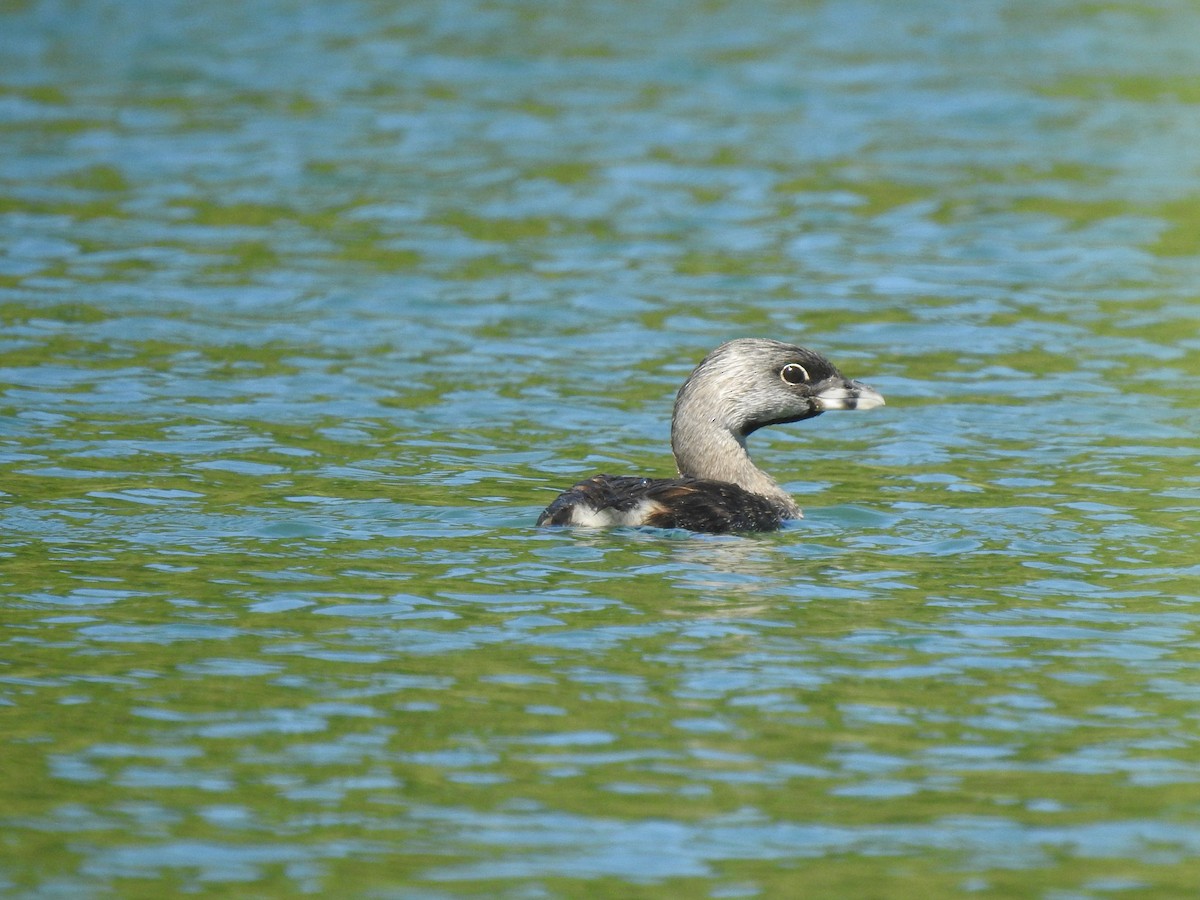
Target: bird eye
x,y
794,373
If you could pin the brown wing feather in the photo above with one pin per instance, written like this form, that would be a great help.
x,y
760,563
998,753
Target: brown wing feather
x,y
717,507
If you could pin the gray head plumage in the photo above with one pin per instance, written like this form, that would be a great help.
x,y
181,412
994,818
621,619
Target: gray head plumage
x,y
744,385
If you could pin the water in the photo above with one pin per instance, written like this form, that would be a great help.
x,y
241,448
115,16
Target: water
x,y
306,310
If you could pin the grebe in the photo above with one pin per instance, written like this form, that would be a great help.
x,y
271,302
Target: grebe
x,y
738,388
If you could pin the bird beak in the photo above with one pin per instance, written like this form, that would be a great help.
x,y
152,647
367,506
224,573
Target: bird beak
x,y
840,393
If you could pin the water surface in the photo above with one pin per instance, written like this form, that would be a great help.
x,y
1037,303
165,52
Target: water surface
x,y
307,310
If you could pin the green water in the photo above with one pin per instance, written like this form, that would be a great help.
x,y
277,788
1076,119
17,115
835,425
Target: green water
x,y
306,311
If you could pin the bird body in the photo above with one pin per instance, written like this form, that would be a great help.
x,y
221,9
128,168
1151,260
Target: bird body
x,y
739,387
696,504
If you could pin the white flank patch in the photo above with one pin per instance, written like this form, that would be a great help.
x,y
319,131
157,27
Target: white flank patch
x,y
586,517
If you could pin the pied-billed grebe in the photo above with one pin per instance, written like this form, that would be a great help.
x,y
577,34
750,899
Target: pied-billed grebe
x,y
738,388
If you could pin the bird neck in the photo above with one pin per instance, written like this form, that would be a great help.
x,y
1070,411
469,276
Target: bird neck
x,y
705,447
